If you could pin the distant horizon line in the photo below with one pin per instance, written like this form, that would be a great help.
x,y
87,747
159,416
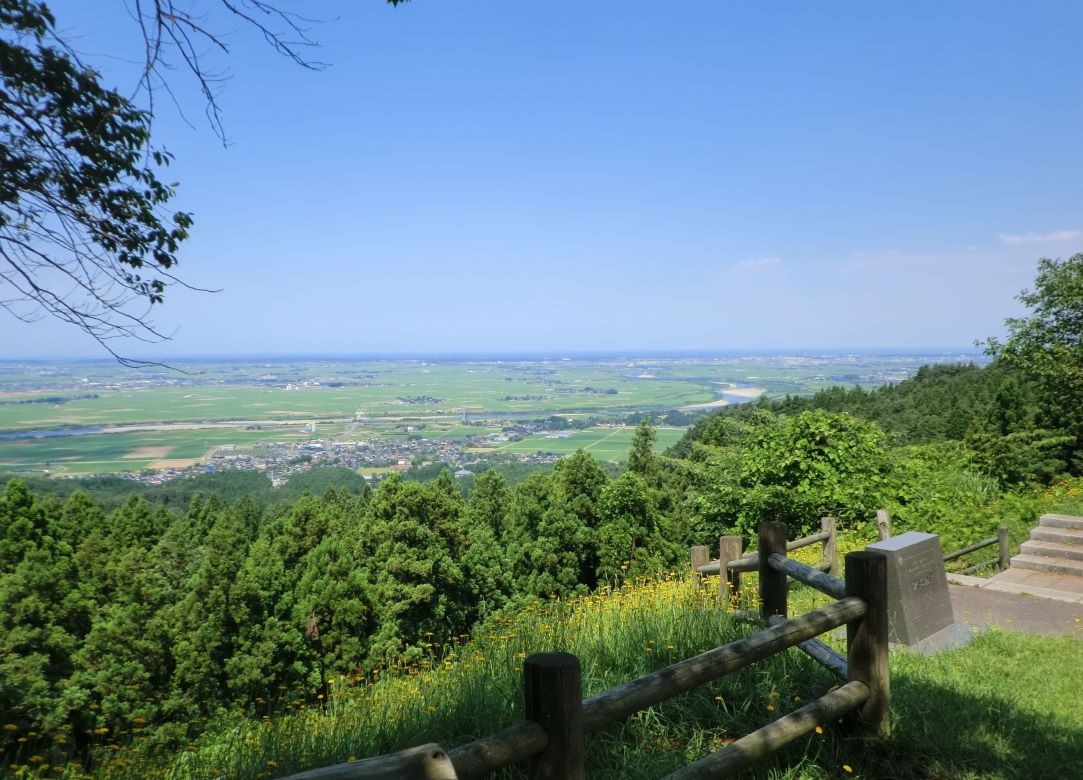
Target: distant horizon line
x,y
460,355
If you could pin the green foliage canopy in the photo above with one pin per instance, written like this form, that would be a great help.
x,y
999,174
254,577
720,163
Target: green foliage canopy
x,y
82,204
1046,348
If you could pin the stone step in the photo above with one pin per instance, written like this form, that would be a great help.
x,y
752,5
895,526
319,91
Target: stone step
x,y
1058,535
1044,563
1073,552
1061,521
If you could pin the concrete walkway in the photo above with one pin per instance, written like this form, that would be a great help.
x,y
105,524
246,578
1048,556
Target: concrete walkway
x,y
1015,611
1028,583
1042,590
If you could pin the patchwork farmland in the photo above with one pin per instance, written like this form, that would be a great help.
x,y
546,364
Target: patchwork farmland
x,y
159,418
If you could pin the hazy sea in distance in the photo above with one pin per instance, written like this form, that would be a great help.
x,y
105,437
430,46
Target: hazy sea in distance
x,y
942,353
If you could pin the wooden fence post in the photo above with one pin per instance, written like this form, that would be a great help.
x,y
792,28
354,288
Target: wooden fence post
x,y
867,638
701,556
729,582
554,700
1003,543
831,546
883,524
774,585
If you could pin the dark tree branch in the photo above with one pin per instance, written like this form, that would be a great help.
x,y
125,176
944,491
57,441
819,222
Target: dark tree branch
x,y
86,232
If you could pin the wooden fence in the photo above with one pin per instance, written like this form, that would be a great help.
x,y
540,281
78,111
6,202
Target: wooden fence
x,y
550,741
729,550
1002,540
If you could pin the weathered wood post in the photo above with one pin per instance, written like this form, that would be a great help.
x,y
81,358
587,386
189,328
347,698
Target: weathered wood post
x,y
774,585
701,555
883,524
867,638
831,546
729,582
554,700
1003,543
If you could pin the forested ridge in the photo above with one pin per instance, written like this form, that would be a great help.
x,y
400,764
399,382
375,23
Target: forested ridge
x,y
939,402
996,412
154,619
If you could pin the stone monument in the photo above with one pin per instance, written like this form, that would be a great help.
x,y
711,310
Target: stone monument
x,y
918,604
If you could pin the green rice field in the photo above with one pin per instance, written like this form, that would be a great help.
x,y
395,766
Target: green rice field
x,y
406,390
603,443
115,452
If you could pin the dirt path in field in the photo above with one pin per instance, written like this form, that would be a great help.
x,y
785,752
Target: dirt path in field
x,y
605,438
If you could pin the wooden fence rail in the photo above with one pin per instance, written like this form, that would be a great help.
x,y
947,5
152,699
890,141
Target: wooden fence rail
x,y
814,578
751,562
550,741
820,652
1002,540
729,550
749,749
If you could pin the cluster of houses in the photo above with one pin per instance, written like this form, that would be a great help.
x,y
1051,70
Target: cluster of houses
x,y
281,460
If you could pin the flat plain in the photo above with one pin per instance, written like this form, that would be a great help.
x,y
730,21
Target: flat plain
x,y
131,420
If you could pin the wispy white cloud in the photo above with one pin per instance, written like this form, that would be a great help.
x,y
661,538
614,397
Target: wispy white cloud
x,y
757,264
1009,239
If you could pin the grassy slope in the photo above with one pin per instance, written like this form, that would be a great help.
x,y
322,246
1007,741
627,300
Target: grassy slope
x,y
1007,706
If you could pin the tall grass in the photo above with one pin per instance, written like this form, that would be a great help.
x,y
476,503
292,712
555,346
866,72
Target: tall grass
x,y
469,689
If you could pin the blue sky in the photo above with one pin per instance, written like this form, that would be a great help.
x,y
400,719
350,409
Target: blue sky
x,y
512,176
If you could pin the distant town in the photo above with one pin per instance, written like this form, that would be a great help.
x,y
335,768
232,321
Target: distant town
x,y
373,458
